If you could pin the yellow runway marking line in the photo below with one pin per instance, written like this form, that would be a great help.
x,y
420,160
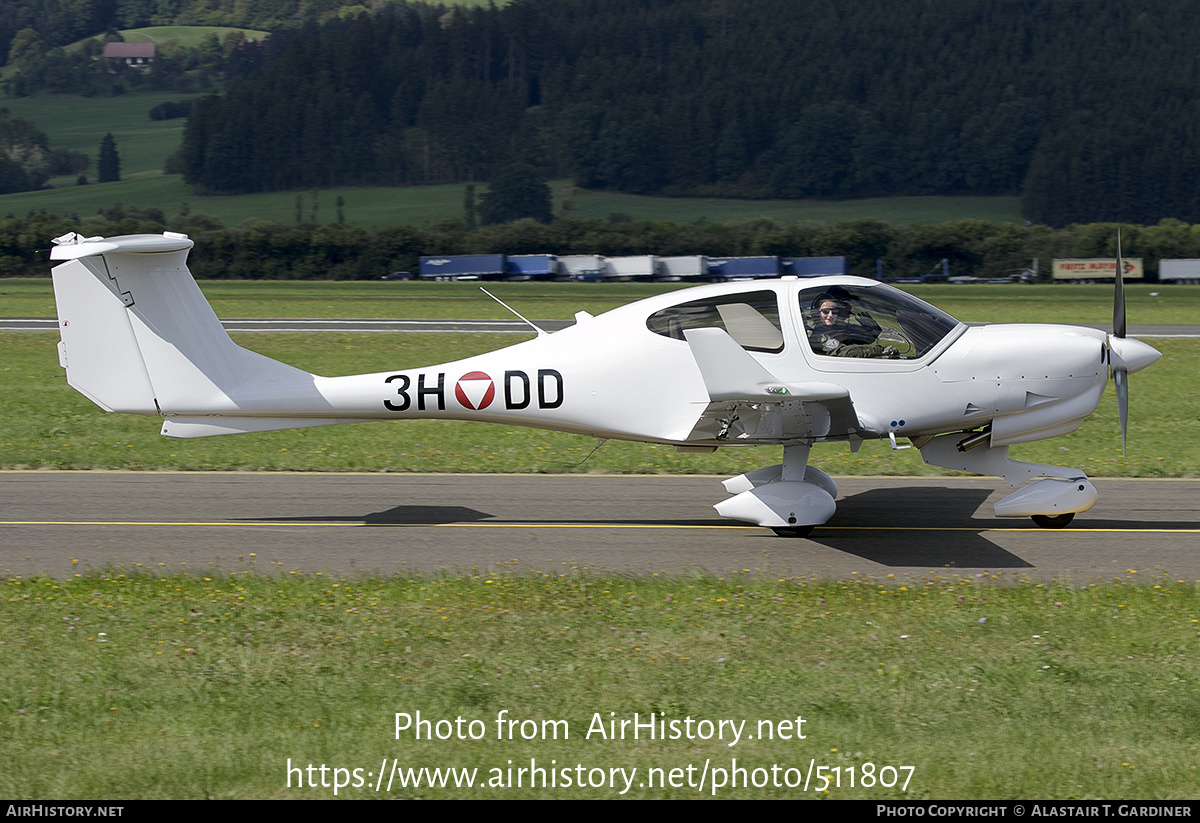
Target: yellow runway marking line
x,y
294,523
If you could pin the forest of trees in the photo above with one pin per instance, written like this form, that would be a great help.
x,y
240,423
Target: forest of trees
x,y
1082,108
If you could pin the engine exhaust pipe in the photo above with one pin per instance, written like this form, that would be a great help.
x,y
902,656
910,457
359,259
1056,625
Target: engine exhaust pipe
x,y
975,440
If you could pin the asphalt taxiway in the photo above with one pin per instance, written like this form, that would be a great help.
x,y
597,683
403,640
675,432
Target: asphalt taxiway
x,y
60,523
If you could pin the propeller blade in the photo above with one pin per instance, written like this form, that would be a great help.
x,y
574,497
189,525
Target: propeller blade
x,y
1119,296
1121,380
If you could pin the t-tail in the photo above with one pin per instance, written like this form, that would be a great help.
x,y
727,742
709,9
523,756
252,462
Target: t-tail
x,y
138,336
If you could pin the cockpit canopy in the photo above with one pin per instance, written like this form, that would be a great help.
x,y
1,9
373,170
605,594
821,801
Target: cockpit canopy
x,y
899,325
877,320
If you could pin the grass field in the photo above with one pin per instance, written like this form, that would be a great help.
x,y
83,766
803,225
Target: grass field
x,y
146,187
210,683
191,36
1050,303
79,123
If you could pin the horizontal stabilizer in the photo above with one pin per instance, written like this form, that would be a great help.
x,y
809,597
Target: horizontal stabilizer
x,y
72,247
183,428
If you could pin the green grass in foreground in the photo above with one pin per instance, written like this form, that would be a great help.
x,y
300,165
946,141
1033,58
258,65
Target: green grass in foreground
x,y
205,684
46,424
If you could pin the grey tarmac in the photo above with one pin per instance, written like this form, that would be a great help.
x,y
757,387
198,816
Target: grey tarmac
x,y
60,523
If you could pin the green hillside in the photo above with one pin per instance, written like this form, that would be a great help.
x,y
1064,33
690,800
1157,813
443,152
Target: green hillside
x,y
78,123
144,145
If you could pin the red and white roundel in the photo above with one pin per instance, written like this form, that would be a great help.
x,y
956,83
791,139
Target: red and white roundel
x,y
475,390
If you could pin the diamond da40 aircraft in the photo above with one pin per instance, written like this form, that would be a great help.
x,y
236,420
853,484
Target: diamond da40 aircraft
x,y
790,362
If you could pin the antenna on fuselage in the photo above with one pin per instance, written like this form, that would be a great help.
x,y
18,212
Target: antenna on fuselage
x,y
600,441
540,332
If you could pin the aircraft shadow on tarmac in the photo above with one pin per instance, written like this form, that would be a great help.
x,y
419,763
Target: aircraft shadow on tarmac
x,y
396,516
929,526
918,526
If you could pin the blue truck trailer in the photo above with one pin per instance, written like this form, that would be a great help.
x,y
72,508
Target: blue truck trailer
x,y
463,267
742,268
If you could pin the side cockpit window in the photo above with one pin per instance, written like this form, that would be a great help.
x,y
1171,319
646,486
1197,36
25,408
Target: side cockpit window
x,y
750,318
871,321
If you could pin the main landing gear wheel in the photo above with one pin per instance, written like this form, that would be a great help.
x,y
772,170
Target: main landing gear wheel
x,y
793,531
1056,521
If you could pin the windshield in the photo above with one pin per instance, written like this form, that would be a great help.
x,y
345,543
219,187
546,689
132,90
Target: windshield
x,y
871,321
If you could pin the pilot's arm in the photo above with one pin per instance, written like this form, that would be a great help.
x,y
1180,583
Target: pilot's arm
x,y
863,341
868,324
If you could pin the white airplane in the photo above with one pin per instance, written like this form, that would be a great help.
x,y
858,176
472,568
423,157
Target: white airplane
x,y
788,362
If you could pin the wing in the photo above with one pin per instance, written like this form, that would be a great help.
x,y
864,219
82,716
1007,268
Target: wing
x,y
747,404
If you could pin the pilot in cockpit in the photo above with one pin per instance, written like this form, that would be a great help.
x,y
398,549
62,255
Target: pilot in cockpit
x,y
838,331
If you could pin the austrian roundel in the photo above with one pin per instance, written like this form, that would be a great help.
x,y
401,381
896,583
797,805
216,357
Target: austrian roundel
x,y
475,390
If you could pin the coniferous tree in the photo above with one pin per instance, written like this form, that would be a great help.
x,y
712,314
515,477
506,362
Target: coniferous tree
x,y
518,191
469,216
109,165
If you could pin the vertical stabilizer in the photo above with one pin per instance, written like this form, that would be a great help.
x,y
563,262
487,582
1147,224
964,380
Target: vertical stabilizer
x,y
138,335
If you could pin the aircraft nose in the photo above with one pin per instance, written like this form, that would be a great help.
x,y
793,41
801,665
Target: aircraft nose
x,y
1130,354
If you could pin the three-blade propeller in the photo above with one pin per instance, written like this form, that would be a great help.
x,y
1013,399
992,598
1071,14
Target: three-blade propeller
x,y
1125,355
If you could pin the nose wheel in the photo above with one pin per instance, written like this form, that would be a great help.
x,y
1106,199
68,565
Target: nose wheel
x,y
1055,521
